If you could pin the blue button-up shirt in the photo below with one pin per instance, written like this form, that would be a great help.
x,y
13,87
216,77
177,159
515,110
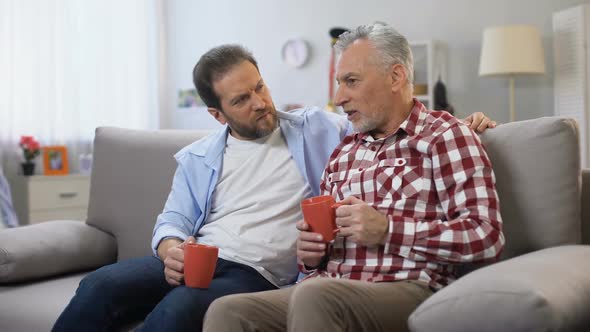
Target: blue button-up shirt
x,y
311,135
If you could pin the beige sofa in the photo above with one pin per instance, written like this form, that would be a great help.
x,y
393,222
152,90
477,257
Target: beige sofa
x,y
536,164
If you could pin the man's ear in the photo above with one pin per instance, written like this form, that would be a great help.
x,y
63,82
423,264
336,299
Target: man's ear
x,y
217,114
399,77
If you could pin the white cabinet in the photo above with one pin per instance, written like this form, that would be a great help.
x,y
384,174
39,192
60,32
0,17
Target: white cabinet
x,y
429,66
571,38
45,198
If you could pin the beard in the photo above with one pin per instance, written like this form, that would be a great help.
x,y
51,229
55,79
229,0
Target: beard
x,y
257,129
364,125
369,122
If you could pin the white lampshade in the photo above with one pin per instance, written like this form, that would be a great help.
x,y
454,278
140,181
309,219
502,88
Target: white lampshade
x,y
508,50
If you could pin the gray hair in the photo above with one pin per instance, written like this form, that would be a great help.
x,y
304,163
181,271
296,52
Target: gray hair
x,y
392,47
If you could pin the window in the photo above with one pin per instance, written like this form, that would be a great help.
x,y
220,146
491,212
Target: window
x,y
67,67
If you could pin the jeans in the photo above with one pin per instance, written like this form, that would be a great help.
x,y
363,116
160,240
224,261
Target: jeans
x,y
128,291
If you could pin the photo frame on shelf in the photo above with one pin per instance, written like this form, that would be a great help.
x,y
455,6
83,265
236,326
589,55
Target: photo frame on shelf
x,y
55,160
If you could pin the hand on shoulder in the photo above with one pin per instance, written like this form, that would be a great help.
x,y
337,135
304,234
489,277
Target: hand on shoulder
x,y
479,122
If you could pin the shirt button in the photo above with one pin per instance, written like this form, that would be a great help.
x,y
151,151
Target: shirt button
x,y
333,275
373,148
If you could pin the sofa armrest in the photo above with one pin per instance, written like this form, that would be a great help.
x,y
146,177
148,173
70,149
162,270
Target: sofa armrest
x,y
50,248
546,290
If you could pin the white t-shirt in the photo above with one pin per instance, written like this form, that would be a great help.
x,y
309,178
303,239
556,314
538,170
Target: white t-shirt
x,y
255,206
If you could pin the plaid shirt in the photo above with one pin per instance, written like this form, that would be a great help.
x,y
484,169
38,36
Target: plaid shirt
x,y
434,182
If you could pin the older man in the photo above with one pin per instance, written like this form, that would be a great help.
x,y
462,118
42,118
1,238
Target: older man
x,y
419,198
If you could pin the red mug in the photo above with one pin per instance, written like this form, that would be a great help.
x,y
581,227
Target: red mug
x,y
320,214
200,261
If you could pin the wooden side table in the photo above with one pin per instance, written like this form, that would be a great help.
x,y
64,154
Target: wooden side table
x,y
44,198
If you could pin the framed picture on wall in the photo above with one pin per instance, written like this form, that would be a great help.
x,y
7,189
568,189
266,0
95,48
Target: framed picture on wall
x,y
188,98
55,160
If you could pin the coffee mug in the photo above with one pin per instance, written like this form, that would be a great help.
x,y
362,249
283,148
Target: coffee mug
x,y
320,214
200,261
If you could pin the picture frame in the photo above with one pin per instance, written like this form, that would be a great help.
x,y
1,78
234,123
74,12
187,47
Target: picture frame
x,y
55,160
189,98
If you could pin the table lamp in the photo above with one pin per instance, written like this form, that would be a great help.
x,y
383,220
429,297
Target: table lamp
x,y
509,51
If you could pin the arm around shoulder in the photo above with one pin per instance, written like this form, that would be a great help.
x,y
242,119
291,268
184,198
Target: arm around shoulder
x,y
330,121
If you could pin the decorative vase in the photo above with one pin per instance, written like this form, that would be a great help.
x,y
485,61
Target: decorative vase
x,y
28,168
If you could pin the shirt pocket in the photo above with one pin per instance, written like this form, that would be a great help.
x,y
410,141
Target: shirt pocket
x,y
340,187
400,178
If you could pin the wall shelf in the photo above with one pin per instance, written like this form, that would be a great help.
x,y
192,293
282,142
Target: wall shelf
x,y
429,64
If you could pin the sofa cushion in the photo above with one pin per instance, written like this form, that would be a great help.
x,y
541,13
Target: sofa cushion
x,y
547,290
537,168
52,248
35,306
131,178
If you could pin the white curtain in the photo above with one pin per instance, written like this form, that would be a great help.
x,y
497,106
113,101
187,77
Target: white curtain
x,y
68,66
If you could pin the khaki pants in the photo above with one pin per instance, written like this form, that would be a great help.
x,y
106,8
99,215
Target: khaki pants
x,y
320,305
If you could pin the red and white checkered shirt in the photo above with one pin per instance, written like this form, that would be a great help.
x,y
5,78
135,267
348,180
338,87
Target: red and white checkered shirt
x,y
434,182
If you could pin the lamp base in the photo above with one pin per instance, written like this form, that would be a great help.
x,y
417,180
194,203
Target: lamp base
x,y
512,112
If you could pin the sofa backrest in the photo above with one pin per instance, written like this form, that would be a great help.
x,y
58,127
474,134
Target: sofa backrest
x,y
131,177
536,163
537,168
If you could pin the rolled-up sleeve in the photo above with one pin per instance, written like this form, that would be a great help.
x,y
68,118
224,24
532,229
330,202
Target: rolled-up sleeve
x,y
180,213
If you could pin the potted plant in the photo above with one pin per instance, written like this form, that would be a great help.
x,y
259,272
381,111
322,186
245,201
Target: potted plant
x,y
31,149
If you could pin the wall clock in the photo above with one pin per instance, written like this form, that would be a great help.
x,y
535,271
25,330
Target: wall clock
x,y
295,52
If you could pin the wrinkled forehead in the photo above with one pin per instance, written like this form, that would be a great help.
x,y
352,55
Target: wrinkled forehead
x,y
238,79
358,57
